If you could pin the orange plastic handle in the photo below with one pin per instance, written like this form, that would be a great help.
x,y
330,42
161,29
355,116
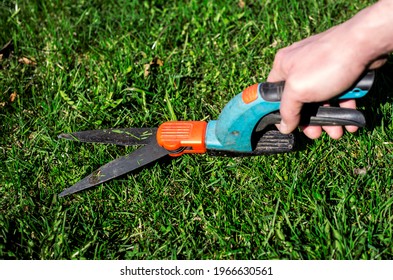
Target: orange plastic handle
x,y
182,137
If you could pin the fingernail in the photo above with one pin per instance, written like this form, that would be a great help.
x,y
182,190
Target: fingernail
x,y
284,128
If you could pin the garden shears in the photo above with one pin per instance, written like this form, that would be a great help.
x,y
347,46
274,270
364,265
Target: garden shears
x,y
245,127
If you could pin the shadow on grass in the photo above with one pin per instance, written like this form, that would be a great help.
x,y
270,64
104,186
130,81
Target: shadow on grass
x,y
380,94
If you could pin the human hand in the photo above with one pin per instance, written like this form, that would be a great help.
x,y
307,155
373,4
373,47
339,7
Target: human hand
x,y
318,69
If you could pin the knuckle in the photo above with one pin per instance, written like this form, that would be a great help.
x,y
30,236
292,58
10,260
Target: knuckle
x,y
279,56
300,91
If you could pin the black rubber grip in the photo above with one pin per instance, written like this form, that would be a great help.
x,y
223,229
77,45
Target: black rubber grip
x,y
322,115
366,81
271,92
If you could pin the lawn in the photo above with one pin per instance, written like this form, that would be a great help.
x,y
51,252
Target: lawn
x,y
72,65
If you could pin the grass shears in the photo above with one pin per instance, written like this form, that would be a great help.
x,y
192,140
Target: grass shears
x,y
245,127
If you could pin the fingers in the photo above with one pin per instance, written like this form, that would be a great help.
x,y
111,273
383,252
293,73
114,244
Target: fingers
x,y
334,132
351,104
314,132
290,109
290,115
378,63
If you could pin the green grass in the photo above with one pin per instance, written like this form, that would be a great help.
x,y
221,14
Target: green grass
x,y
332,200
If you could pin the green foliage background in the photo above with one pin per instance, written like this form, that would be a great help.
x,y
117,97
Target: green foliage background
x,y
78,65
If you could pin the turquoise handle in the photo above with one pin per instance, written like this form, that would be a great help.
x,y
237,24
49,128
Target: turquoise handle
x,y
233,129
235,125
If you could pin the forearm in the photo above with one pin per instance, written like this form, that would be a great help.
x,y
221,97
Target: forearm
x,y
372,31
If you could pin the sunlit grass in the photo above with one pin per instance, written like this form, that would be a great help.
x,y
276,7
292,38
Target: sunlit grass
x,y
95,66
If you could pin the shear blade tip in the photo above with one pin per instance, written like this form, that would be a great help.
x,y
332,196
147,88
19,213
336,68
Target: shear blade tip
x,y
64,136
64,193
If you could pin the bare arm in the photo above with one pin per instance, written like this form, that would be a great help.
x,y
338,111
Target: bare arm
x,y
322,66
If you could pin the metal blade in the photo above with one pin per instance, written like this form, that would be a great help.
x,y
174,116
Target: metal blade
x,y
120,136
119,166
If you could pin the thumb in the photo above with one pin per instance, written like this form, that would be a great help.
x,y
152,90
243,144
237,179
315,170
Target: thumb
x,y
290,113
275,76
